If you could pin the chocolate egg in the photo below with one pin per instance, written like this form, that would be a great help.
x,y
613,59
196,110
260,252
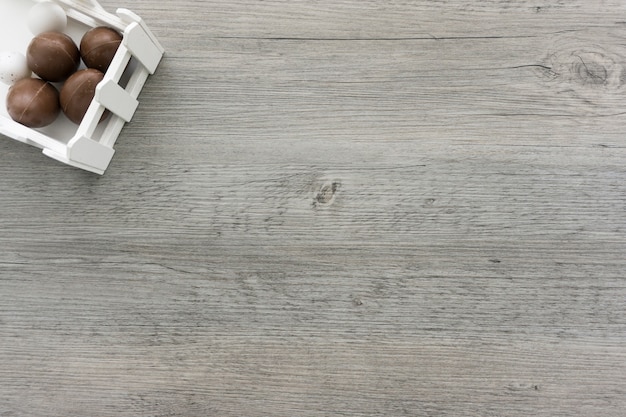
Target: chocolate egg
x,y
33,102
98,47
13,67
53,56
78,92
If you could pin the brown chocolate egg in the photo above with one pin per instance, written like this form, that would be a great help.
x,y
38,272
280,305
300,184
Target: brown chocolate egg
x,y
53,56
98,47
78,92
33,102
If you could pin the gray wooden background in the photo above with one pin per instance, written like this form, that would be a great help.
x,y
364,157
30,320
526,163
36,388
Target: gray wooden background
x,y
335,208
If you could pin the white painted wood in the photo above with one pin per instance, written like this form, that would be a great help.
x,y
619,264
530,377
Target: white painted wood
x,y
58,139
335,208
90,153
115,98
140,45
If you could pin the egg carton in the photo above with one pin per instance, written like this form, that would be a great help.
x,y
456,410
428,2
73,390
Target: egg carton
x,y
88,146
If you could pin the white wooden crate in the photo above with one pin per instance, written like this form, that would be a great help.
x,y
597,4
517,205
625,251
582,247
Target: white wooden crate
x,y
88,146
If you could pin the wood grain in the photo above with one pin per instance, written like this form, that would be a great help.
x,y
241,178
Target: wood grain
x,y
335,208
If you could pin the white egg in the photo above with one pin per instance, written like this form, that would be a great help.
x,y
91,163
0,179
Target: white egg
x,y
13,67
45,17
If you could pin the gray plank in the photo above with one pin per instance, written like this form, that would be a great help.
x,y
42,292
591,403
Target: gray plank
x,y
335,208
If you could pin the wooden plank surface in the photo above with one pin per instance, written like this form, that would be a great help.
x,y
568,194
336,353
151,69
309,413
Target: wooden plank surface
x,y
335,208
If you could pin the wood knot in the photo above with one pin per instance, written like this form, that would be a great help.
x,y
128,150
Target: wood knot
x,y
591,70
325,194
593,75
584,68
573,60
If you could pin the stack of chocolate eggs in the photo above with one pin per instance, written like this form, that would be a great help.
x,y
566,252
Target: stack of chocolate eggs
x,y
60,84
